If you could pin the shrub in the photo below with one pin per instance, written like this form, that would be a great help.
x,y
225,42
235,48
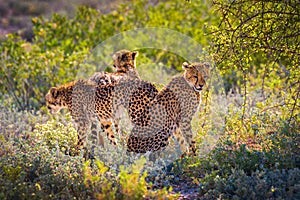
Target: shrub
x,y
262,184
61,44
35,163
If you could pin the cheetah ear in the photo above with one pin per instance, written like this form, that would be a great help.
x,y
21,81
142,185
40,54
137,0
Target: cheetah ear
x,y
115,56
54,92
185,65
123,57
135,54
207,65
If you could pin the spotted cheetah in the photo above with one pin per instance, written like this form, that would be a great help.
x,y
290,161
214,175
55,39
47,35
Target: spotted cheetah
x,y
88,101
171,112
78,97
124,63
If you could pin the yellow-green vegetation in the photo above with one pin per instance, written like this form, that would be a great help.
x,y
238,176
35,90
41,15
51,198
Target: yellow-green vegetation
x,y
38,165
254,46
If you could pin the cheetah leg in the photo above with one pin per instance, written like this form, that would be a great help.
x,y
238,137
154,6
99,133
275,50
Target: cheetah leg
x,y
181,140
96,137
117,130
82,125
107,127
186,130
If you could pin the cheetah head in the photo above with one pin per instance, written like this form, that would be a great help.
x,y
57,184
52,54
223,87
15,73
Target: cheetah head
x,y
196,74
124,60
54,100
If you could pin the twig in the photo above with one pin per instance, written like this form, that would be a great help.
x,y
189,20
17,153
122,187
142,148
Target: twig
x,y
294,106
276,106
245,96
12,90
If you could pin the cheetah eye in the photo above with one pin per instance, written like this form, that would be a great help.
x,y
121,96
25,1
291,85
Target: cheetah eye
x,y
196,77
115,66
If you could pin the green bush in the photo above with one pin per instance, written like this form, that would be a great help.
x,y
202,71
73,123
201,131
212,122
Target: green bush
x,y
61,44
261,184
64,137
38,164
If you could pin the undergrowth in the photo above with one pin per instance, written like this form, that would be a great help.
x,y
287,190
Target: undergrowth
x,y
38,164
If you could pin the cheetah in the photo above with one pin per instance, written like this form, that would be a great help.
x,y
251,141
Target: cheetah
x,y
171,112
78,97
124,63
88,102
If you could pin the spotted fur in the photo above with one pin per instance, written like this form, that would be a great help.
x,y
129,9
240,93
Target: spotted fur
x,y
125,66
171,112
87,101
